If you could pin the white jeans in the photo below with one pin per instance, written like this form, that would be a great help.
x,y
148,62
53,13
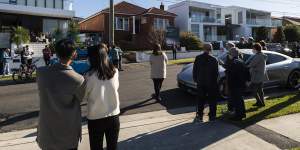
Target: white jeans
x,y
6,69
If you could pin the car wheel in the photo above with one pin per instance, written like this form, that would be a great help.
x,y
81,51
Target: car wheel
x,y
223,89
294,79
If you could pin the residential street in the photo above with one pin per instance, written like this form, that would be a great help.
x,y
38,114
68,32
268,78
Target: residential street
x,y
19,103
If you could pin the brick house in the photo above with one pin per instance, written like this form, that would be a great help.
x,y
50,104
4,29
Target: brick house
x,y
133,24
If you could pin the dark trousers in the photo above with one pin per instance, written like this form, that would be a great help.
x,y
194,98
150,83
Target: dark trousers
x,y
120,63
157,86
1,67
208,95
258,92
174,54
109,126
236,96
116,63
47,61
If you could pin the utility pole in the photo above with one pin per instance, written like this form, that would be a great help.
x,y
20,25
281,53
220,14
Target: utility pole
x,y
111,23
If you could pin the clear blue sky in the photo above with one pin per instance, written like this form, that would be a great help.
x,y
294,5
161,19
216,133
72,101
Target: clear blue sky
x,y
85,8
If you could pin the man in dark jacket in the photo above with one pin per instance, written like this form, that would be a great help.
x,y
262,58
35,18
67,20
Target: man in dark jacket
x,y
205,74
237,75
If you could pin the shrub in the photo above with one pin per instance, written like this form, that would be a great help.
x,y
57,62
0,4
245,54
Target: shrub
x,y
261,34
292,33
190,41
279,36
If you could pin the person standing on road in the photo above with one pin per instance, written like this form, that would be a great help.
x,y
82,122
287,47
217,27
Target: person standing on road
x,y
1,61
61,90
102,84
250,43
237,75
205,74
114,56
263,45
47,55
6,58
120,52
174,51
28,55
242,43
258,74
158,62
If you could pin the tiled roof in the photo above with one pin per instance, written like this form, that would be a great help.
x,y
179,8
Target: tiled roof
x,y
157,11
127,8
131,9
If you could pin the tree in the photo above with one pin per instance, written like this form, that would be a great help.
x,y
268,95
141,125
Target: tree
x,y
157,36
262,33
190,41
292,33
73,31
279,36
58,34
20,36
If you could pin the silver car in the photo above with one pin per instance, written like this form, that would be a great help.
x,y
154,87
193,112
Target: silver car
x,y
282,70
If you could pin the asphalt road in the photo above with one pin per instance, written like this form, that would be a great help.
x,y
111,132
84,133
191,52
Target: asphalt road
x,y
19,104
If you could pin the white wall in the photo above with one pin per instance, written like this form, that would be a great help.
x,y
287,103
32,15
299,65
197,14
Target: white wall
x,y
182,11
36,11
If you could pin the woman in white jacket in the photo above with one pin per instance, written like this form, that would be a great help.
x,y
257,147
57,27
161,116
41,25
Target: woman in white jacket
x,y
158,62
102,83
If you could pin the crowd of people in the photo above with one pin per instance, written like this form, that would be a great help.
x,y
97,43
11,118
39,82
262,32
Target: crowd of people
x,y
61,91
239,75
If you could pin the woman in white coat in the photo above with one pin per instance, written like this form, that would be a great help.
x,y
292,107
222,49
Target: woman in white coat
x,y
158,62
102,84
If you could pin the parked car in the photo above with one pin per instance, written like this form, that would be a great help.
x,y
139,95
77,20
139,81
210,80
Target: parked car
x,y
80,64
277,47
282,70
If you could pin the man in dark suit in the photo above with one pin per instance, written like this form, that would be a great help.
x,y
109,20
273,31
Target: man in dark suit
x,y
205,74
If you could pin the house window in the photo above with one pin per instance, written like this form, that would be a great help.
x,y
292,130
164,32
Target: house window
x,y
195,29
161,24
240,17
122,23
14,2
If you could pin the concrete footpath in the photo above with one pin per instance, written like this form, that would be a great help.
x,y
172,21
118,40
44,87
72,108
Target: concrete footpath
x,y
174,130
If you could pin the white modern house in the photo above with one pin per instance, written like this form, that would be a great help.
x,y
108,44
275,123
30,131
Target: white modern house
x,y
38,16
242,22
215,23
204,20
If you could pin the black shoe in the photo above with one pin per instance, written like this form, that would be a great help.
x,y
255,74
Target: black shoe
x,y
259,105
158,98
211,119
198,119
236,118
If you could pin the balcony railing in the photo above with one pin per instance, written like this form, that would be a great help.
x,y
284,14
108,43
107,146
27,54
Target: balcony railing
x,y
260,22
276,23
209,38
206,20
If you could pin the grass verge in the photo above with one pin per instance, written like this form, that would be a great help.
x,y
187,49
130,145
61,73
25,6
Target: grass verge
x,y
181,61
275,107
9,78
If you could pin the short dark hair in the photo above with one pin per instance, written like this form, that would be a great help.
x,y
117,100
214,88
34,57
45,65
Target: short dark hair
x,y
257,47
65,48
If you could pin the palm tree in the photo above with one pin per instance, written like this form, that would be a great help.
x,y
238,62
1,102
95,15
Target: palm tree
x,y
20,36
